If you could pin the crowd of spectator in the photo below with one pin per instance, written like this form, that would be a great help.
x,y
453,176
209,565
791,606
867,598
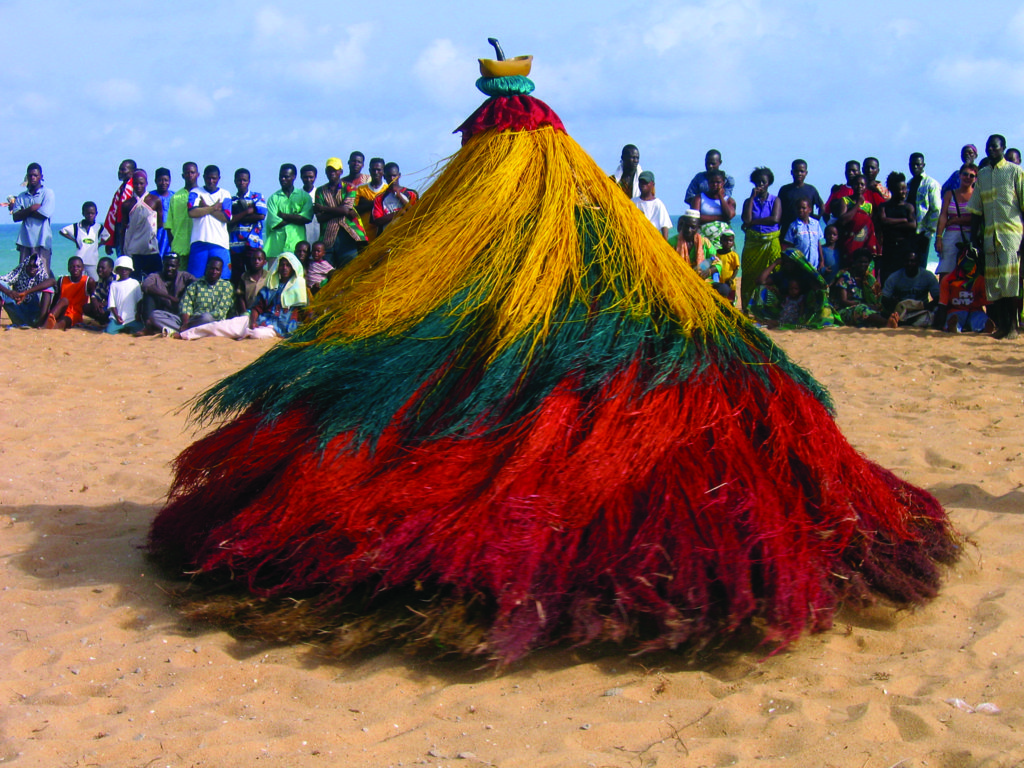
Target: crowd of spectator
x,y
199,261
859,257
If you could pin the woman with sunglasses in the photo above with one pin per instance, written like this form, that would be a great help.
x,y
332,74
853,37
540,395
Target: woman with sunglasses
x,y
954,228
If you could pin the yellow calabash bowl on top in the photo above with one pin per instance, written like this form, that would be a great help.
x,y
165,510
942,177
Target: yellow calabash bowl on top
x,y
520,65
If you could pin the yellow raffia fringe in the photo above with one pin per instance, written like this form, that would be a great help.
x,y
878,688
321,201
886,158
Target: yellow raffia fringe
x,y
500,221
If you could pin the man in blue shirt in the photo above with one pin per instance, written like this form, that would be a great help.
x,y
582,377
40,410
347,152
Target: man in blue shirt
x,y
699,183
34,208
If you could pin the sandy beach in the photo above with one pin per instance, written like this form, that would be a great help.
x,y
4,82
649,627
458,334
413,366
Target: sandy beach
x,y
98,669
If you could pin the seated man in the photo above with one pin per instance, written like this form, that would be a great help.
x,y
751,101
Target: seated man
x,y
26,292
204,301
910,294
251,281
73,292
161,296
962,299
276,312
95,310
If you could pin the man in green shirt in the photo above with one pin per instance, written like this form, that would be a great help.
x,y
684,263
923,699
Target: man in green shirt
x,y
289,210
177,223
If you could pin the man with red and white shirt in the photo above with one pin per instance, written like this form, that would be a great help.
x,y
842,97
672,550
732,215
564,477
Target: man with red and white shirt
x,y
114,225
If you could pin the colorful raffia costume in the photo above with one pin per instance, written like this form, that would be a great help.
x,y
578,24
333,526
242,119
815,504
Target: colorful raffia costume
x,y
520,419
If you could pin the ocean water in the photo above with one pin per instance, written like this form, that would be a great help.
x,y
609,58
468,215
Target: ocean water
x,y
63,249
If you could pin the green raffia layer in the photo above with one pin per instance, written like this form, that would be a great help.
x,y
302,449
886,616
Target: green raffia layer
x,y
438,377
513,85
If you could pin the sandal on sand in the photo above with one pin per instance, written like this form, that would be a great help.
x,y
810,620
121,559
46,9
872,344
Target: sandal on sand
x,y
50,323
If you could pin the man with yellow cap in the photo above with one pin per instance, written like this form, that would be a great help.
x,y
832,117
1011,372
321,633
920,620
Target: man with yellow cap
x,y
289,210
335,208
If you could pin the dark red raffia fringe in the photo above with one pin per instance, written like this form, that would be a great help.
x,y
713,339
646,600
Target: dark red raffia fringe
x,y
669,517
509,113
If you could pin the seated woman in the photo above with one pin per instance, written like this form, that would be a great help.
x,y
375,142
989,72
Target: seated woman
x,y
792,294
716,209
856,294
276,313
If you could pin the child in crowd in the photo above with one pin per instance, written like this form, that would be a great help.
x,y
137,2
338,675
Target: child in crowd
x,y
729,265
652,207
95,310
124,298
251,281
829,265
73,293
804,234
791,311
319,267
26,292
85,234
302,249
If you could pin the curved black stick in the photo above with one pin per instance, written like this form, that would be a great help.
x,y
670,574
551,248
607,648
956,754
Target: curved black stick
x,y
497,48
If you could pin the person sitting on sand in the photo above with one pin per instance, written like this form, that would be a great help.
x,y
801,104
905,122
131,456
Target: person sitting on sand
x,y
26,292
204,301
855,294
911,293
73,293
276,312
792,293
95,310
688,242
962,299
124,299
251,281
161,296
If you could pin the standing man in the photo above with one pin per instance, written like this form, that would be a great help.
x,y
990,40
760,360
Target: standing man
x,y
289,210
790,196
209,207
996,210
163,191
113,228
627,174
248,210
356,177
394,200
699,183
308,176
340,229
924,192
369,192
177,222
33,209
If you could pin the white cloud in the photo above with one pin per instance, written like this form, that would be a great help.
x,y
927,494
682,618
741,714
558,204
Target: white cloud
x,y
188,100
344,69
443,71
275,29
36,104
730,27
116,93
997,76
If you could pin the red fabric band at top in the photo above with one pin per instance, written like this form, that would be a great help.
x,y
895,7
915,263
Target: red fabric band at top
x,y
510,113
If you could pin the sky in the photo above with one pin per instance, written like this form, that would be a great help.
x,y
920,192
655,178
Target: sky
x,y
257,84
